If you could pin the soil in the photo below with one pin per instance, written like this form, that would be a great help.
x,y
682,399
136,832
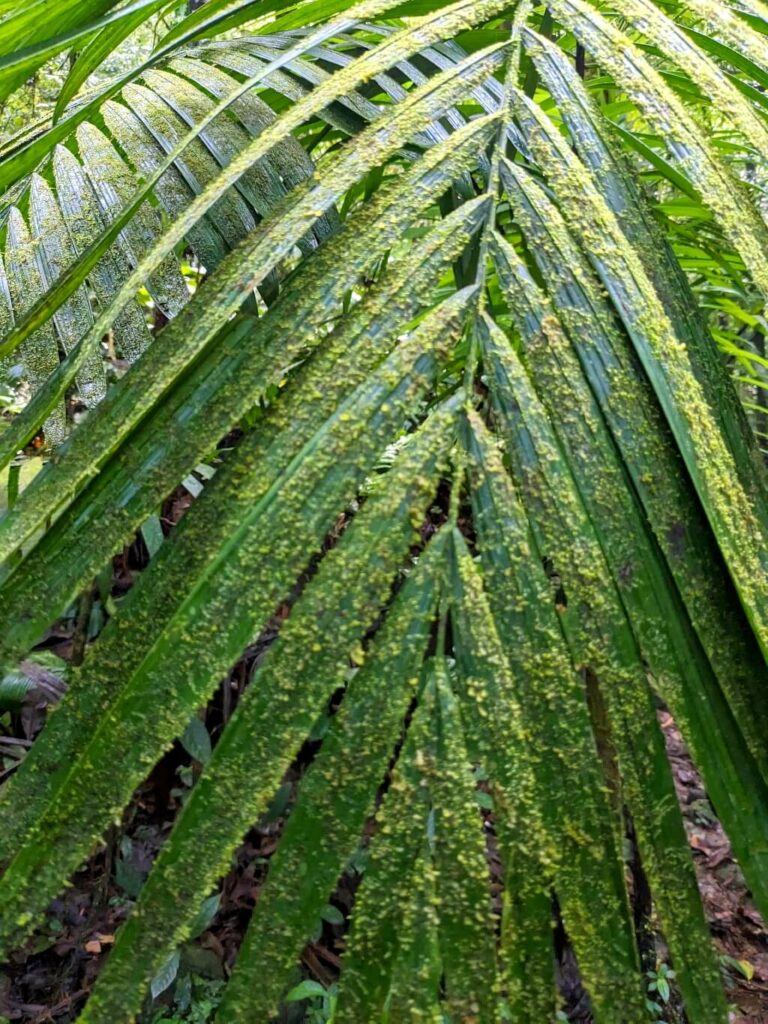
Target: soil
x,y
737,928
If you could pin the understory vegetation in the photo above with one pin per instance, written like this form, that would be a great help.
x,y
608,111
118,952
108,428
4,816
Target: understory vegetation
x,y
384,541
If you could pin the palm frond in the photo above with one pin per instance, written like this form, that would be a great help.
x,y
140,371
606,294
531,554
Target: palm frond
x,y
423,230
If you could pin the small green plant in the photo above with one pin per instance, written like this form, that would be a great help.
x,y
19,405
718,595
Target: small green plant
x,y
659,991
195,1001
731,967
321,1001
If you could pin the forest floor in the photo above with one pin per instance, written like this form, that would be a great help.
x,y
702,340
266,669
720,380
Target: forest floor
x,y
737,928
51,978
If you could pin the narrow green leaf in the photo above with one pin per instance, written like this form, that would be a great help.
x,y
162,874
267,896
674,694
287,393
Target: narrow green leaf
x,y
465,924
396,913
719,25
55,252
39,352
25,43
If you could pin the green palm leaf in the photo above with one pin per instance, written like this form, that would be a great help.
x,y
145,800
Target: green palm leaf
x,y
468,313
